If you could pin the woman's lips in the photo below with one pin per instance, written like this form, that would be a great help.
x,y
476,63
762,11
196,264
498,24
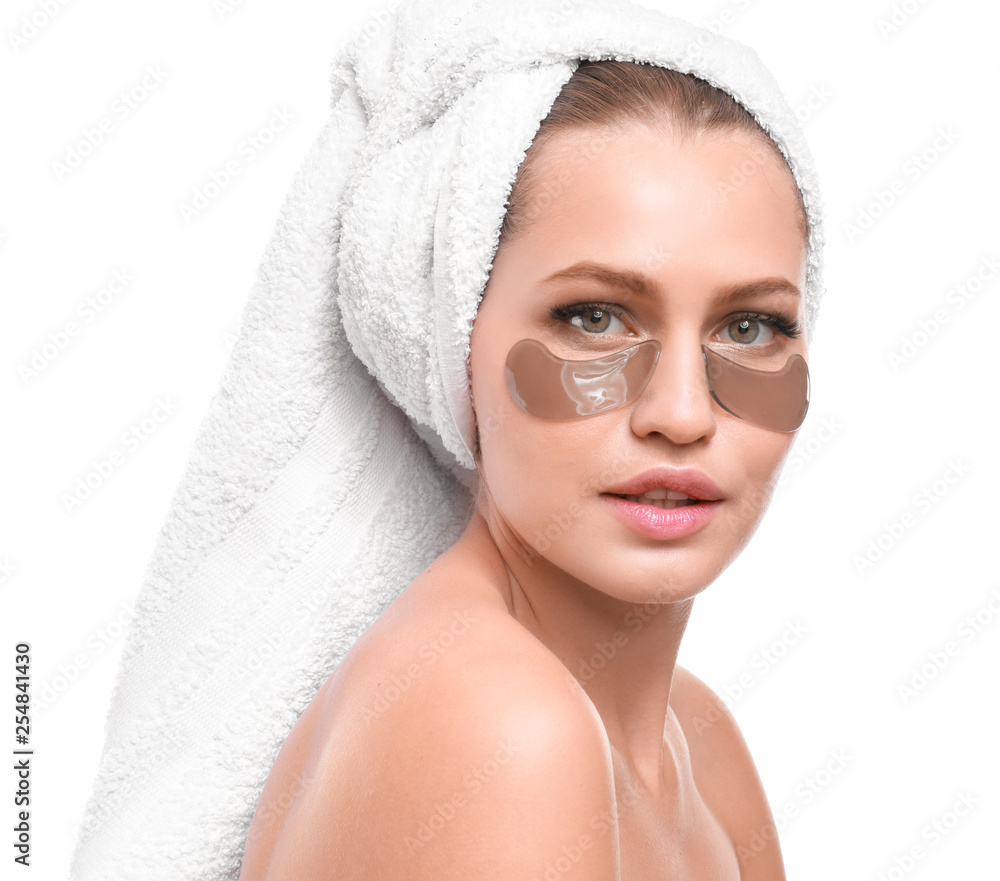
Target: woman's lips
x,y
663,523
695,483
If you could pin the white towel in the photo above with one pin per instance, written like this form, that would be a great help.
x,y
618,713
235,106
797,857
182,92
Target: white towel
x,y
333,465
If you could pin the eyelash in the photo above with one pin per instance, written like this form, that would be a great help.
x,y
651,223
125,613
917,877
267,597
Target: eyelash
x,y
780,322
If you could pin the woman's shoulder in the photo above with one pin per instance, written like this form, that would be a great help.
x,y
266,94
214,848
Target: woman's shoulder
x,y
726,776
455,649
448,732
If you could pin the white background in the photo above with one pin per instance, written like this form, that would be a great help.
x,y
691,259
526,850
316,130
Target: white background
x,y
873,464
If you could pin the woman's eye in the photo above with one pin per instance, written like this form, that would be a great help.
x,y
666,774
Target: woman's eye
x,y
747,329
597,319
757,329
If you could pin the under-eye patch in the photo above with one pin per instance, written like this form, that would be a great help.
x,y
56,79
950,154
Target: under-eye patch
x,y
551,387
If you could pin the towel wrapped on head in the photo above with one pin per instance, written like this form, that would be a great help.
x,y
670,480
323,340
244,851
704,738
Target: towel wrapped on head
x,y
334,463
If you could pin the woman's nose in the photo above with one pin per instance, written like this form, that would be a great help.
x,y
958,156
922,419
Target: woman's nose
x,y
676,401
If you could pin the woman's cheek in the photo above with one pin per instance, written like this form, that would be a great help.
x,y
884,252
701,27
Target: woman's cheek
x,y
533,470
767,452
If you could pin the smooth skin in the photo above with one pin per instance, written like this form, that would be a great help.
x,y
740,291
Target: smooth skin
x,y
470,733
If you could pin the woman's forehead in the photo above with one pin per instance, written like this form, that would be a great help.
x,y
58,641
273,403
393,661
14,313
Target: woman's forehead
x,y
662,205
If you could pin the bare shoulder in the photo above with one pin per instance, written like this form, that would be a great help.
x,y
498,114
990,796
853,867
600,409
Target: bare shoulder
x,y
454,734
726,776
497,747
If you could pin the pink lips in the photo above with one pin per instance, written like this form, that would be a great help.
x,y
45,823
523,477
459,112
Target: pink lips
x,y
666,523
695,483
663,523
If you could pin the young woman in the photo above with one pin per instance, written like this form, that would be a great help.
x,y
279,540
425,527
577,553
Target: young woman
x,y
517,712
518,372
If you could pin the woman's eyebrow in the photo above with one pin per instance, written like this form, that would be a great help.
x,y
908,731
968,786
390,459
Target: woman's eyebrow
x,y
759,288
626,279
636,283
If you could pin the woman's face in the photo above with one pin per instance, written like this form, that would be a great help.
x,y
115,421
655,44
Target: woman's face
x,y
693,218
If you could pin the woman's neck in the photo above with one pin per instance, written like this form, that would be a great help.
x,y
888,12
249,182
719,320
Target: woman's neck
x,y
622,653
